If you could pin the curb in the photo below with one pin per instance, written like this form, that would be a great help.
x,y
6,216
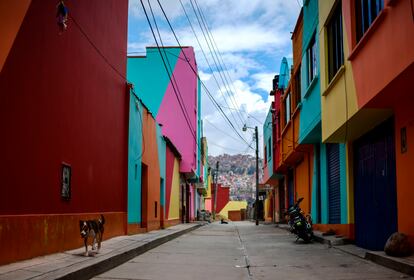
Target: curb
x,y
113,260
396,264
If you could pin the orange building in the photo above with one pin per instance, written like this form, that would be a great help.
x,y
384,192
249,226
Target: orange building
x,y
367,99
295,159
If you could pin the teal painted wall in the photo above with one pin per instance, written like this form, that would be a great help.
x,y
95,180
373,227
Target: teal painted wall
x,y
150,77
134,160
162,153
284,73
315,198
344,195
310,115
324,186
267,134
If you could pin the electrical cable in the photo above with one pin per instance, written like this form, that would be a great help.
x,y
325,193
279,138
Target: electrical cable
x,y
97,49
201,23
171,71
202,83
227,148
205,56
166,68
224,132
215,47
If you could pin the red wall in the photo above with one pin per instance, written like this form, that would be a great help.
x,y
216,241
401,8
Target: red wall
x,y
61,102
222,197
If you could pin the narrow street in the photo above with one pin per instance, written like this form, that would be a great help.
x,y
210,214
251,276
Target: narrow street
x,y
241,250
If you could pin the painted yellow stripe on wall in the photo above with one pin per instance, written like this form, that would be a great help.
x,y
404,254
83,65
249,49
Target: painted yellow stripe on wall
x,y
174,212
231,206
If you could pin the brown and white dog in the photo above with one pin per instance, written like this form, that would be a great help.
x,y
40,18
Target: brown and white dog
x,y
92,229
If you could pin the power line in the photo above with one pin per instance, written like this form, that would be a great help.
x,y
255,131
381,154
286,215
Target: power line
x,y
227,148
166,68
170,68
212,52
248,115
195,72
205,57
222,131
214,47
97,49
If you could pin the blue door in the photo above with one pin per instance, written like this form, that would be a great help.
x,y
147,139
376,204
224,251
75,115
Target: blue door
x,y
375,187
291,194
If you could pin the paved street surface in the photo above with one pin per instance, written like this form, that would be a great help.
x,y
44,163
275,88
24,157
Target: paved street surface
x,y
243,251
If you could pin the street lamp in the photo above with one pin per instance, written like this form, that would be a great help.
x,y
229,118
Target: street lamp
x,y
256,136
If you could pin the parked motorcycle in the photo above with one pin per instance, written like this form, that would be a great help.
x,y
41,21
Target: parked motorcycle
x,y
299,224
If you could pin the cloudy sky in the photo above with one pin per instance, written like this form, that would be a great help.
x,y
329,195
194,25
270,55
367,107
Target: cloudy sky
x,y
249,39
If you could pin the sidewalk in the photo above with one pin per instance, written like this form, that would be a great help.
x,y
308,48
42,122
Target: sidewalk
x,y
404,265
73,265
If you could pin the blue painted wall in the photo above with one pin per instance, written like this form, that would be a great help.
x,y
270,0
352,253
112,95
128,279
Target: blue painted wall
x,y
268,135
284,73
162,152
134,160
310,115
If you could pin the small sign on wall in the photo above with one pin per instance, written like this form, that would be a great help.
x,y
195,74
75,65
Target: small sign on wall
x,y
66,180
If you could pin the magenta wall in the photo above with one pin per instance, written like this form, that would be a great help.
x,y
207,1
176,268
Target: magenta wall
x,y
175,126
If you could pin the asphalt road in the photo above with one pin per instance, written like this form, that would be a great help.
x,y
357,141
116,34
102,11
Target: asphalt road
x,y
242,250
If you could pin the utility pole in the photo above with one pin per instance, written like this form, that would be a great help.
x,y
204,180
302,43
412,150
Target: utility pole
x,y
215,190
256,208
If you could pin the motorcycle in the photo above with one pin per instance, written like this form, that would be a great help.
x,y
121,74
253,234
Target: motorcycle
x,y
299,224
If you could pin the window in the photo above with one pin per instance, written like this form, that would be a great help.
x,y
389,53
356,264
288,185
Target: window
x,y
287,108
297,93
335,43
265,154
311,57
269,150
365,14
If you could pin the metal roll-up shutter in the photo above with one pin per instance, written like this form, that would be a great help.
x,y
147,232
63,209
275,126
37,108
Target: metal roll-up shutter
x,y
334,183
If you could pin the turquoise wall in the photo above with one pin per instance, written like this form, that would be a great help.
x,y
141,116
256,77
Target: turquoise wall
x,y
284,73
162,153
150,77
134,160
315,199
267,134
324,186
310,114
344,195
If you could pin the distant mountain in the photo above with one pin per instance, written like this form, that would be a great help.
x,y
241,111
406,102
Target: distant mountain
x,y
238,173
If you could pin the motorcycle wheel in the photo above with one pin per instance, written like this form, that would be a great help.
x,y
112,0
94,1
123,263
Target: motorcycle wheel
x,y
307,237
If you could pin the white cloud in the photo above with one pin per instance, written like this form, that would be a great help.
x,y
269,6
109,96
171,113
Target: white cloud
x,y
263,81
252,37
248,102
